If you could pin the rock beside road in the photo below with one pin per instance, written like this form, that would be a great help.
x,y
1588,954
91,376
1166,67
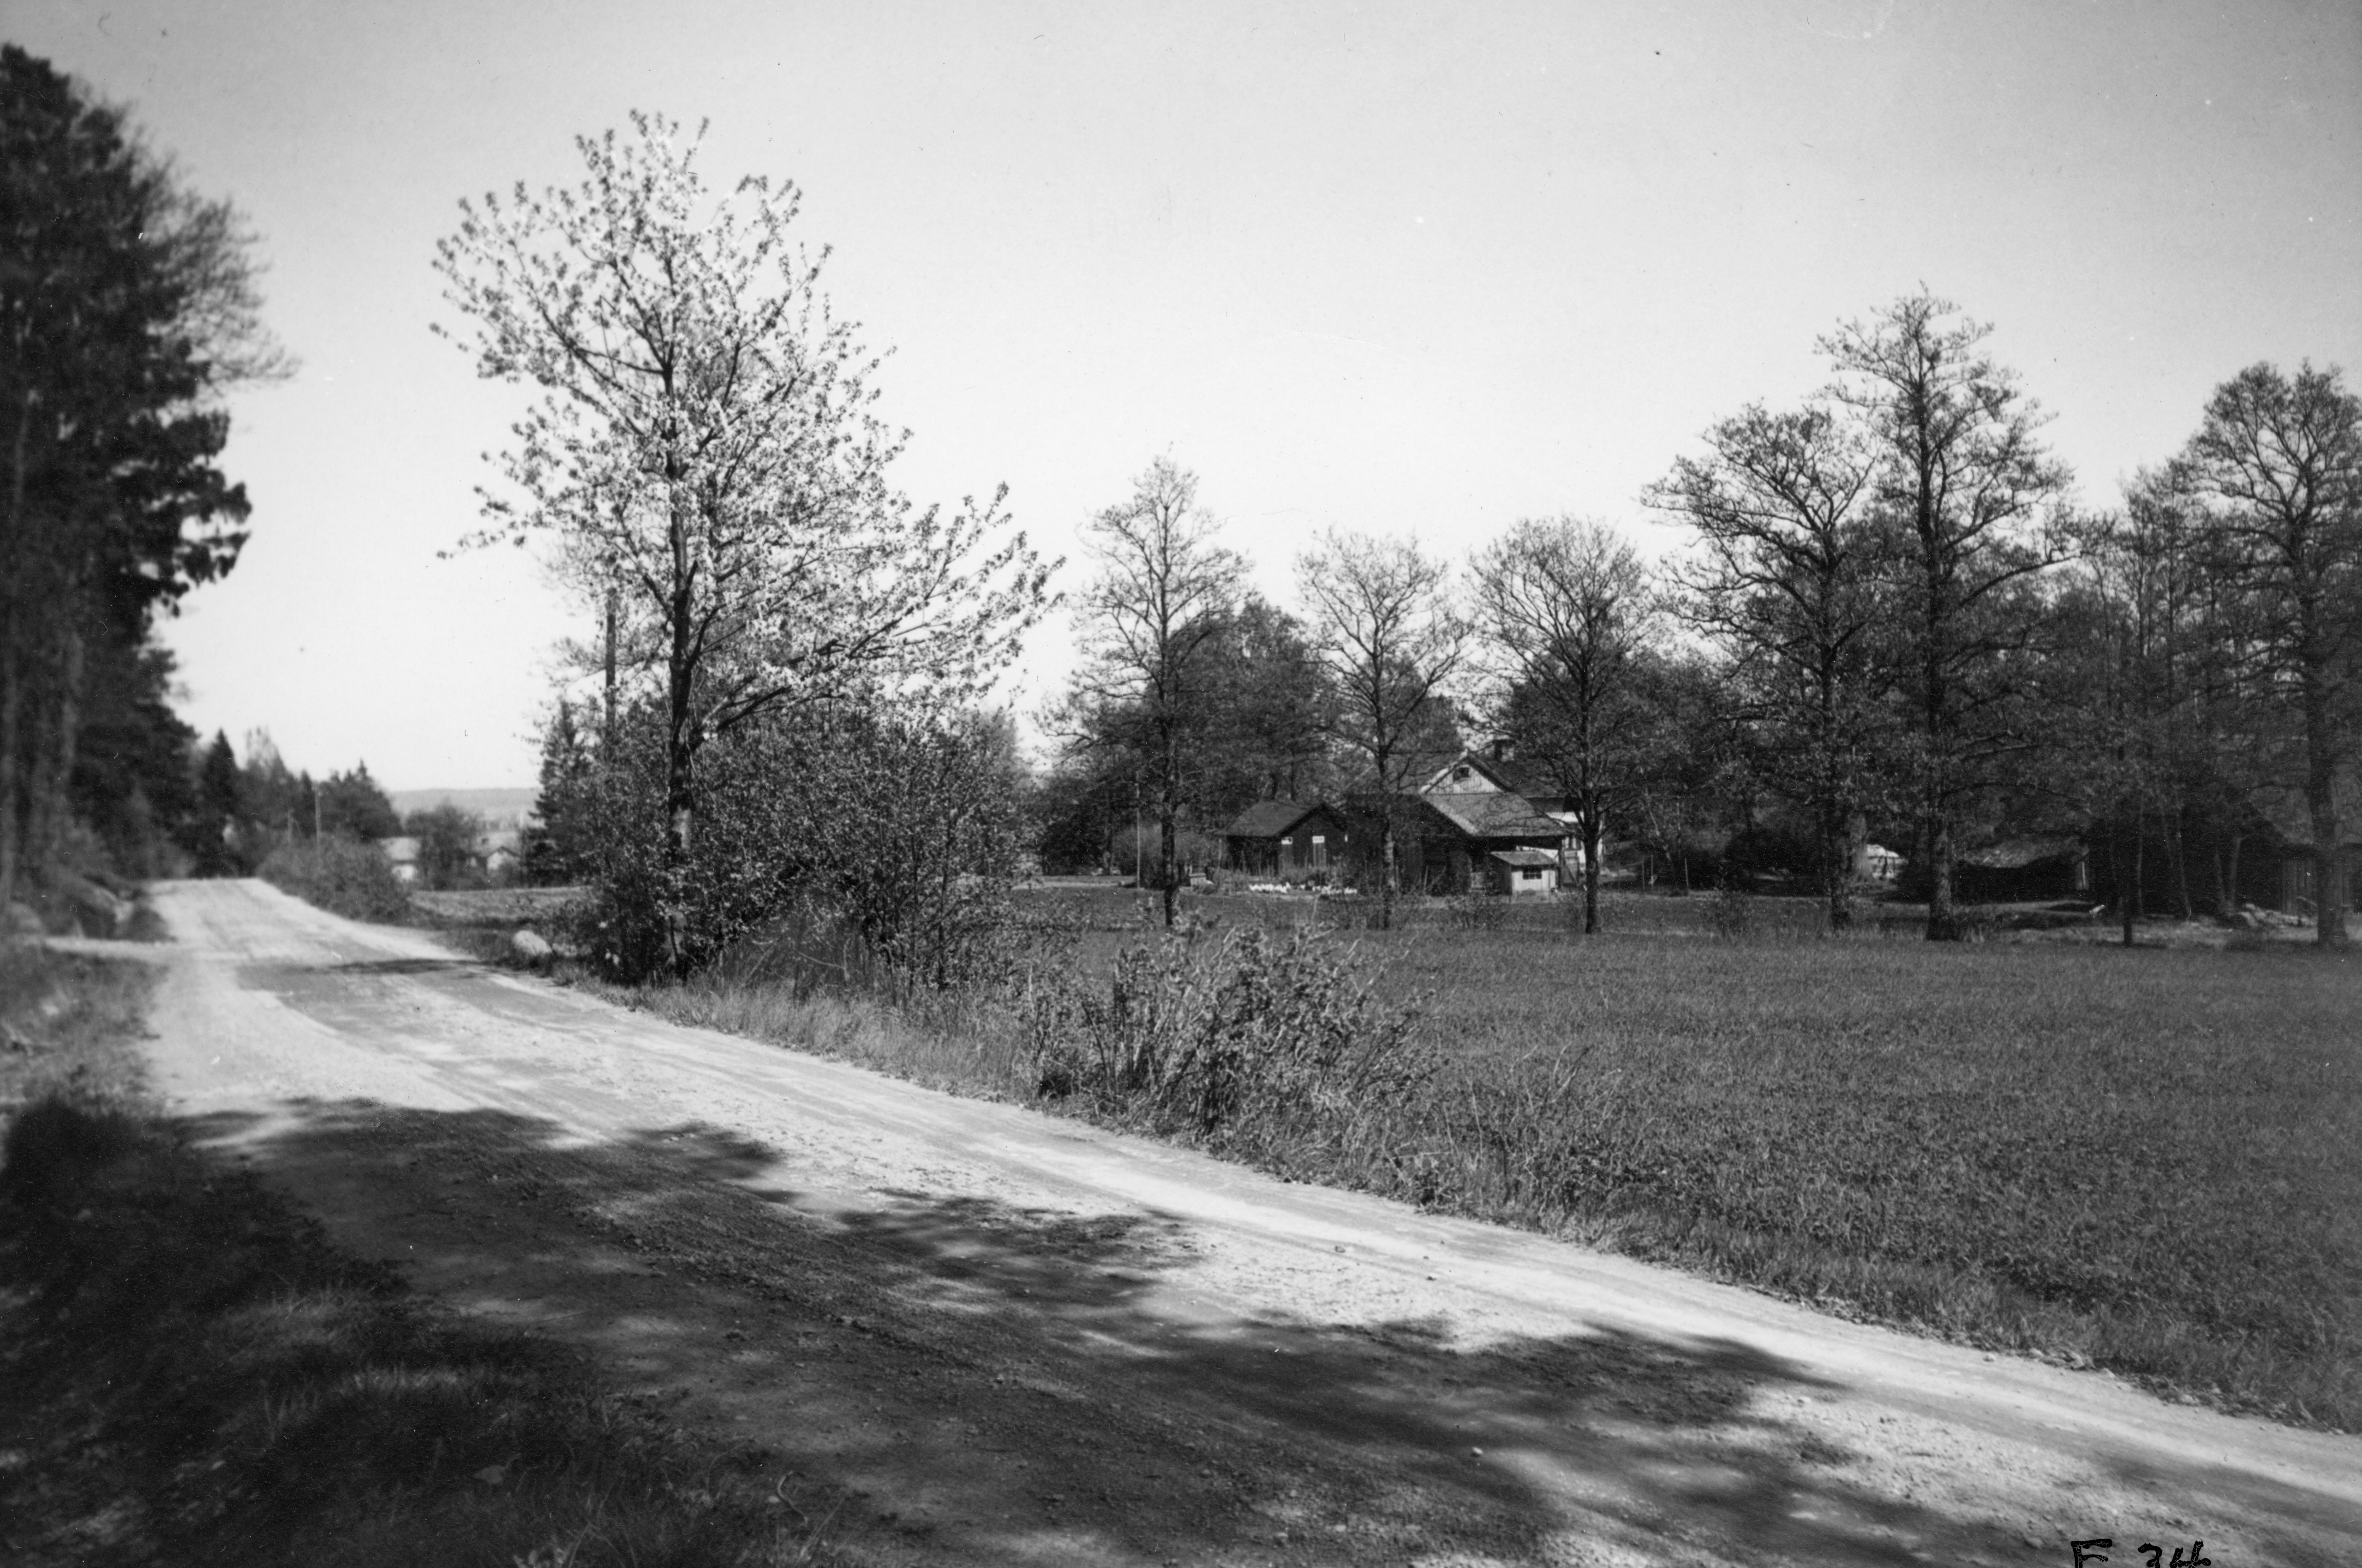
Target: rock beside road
x,y
531,946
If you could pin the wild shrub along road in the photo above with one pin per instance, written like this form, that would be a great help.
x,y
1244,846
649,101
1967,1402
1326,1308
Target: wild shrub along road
x,y
981,1334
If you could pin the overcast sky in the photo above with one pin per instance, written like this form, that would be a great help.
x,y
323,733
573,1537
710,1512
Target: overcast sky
x,y
1406,267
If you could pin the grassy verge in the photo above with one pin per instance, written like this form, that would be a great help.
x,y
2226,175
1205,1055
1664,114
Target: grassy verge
x,y
2149,1162
196,1377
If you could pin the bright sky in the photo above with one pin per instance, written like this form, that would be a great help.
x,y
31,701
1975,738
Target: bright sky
x,y
1420,267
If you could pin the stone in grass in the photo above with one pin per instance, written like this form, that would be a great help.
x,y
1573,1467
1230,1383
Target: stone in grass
x,y
531,946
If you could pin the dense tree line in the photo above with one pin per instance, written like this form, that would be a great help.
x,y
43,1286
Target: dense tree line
x,y
128,311
1891,620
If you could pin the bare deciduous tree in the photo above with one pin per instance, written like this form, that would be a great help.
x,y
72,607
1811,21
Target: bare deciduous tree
x,y
1974,502
1788,583
1567,608
1392,640
2278,462
1152,623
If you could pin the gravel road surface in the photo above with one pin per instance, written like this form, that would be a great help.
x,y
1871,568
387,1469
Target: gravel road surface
x,y
981,1334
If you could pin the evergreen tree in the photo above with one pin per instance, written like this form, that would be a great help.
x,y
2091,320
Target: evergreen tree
x,y
558,842
221,808
352,804
128,308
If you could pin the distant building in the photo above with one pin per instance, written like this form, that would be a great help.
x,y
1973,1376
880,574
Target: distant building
x,y
402,854
1443,843
1286,839
496,851
2059,866
1876,862
1520,873
2291,818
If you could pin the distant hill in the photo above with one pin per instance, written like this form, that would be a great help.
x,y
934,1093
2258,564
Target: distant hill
x,y
498,807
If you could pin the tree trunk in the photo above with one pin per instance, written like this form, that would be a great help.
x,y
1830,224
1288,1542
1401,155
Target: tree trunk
x,y
1386,867
2321,802
53,776
2177,847
13,675
1837,862
607,730
1943,918
2130,869
2238,842
2328,881
1167,853
1591,835
2214,865
11,711
681,732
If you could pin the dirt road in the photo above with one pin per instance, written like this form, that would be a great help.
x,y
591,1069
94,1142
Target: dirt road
x,y
992,1336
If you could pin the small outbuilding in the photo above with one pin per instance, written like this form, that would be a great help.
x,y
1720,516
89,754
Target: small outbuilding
x,y
1520,873
1289,839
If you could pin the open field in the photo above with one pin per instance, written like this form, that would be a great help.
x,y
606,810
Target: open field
x,y
2148,1161
2145,1160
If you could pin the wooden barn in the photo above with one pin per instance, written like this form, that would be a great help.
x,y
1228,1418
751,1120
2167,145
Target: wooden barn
x,y
1286,839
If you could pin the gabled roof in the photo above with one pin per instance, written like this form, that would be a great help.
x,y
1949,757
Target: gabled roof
x,y
1523,858
1270,818
2290,817
1514,774
1495,816
2016,854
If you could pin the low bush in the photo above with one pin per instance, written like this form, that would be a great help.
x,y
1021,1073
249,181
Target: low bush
x,y
901,834
343,876
1253,1036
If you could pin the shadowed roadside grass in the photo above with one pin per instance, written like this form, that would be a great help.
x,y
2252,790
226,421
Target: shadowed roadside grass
x,y
196,1377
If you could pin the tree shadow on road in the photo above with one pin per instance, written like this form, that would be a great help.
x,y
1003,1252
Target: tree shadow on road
x,y
991,1384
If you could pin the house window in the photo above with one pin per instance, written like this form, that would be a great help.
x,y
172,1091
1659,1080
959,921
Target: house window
x,y
1529,875
1460,773
1320,851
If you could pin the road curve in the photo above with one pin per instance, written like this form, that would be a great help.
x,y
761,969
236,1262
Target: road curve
x,y
990,1335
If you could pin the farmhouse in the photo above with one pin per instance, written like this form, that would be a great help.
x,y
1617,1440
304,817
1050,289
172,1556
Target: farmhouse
x,y
1492,771
1444,844
1286,838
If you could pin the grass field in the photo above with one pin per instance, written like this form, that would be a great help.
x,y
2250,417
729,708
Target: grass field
x,y
2148,1161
